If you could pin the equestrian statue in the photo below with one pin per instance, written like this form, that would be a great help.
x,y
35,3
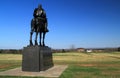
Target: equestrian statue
x,y
39,25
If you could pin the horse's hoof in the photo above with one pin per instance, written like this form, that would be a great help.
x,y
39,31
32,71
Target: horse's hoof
x,y
36,43
40,45
43,45
31,44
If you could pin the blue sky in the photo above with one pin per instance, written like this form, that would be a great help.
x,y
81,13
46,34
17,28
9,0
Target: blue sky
x,y
82,23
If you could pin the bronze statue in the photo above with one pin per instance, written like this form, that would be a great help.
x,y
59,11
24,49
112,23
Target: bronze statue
x,y
39,25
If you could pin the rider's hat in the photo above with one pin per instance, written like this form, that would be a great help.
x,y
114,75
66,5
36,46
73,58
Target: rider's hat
x,y
39,6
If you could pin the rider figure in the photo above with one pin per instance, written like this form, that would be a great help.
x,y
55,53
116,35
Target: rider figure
x,y
39,13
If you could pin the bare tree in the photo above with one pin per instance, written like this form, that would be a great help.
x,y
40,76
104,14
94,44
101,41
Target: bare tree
x,y
72,47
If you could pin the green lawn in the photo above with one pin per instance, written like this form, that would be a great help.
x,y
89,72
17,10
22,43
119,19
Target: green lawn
x,y
80,65
8,61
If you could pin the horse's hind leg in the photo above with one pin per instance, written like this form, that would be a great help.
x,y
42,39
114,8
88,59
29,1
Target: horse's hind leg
x,y
36,38
40,38
44,38
31,33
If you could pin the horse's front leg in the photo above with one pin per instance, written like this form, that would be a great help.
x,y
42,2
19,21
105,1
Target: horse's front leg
x,y
44,38
31,33
36,38
40,38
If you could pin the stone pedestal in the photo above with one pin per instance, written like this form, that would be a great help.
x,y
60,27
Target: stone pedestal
x,y
36,58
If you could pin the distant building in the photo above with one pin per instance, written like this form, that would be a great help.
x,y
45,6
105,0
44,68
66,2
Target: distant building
x,y
80,49
89,50
101,50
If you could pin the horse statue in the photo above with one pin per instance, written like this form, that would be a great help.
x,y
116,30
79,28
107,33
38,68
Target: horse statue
x,y
39,26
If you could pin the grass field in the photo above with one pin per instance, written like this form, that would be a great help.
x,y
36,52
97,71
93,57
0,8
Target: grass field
x,y
80,65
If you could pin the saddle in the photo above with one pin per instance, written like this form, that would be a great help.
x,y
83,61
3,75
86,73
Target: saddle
x,y
40,25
